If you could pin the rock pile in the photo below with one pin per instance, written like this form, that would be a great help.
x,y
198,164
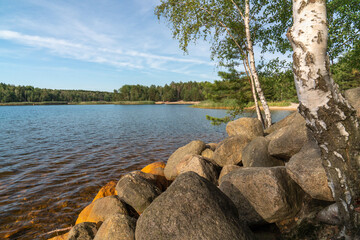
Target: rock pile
x,y
249,183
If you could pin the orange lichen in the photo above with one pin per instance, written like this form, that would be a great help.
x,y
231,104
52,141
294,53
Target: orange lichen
x,y
156,168
107,190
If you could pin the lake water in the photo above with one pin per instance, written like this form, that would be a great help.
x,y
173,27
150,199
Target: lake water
x,y
54,159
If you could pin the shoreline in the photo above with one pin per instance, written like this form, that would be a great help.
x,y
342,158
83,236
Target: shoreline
x,y
292,107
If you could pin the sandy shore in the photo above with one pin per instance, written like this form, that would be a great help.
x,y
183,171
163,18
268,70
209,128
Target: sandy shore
x,y
178,103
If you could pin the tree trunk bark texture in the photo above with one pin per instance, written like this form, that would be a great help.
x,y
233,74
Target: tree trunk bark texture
x,y
326,111
253,71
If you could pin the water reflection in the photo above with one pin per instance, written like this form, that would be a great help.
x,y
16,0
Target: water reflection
x,y
54,159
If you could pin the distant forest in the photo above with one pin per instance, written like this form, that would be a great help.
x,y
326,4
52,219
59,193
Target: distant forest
x,y
276,78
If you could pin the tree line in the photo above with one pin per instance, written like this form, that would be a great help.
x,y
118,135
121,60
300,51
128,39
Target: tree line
x,y
275,76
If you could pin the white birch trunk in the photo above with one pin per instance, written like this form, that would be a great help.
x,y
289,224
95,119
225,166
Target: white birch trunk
x,y
253,71
327,113
257,108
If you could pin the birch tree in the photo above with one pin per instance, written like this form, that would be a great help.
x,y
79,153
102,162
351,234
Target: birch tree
x,y
193,19
326,111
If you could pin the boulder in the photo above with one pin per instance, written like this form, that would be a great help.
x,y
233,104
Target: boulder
x,y
329,215
136,191
353,96
226,169
250,127
117,227
208,153
262,194
256,154
294,118
191,208
102,208
159,181
156,168
306,169
107,190
287,141
200,165
194,147
212,146
230,150
82,231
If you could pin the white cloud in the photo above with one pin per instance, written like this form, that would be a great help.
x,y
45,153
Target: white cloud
x,y
116,57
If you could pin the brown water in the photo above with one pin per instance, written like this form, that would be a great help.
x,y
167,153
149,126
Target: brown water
x,y
54,159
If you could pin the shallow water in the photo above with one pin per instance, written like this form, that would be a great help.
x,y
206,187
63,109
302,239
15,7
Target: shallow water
x,y
54,159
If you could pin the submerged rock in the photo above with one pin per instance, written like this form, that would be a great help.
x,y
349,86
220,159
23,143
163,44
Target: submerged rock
x,y
102,208
191,208
194,147
262,194
230,150
137,191
250,127
117,227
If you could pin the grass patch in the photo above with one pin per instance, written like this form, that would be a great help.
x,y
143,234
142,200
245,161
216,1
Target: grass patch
x,y
231,103
224,104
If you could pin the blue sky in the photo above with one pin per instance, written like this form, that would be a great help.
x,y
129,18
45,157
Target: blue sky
x,y
93,45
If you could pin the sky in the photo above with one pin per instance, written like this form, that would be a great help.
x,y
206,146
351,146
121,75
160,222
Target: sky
x,y
94,45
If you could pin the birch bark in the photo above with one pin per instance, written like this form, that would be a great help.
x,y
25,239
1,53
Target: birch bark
x,y
326,111
253,71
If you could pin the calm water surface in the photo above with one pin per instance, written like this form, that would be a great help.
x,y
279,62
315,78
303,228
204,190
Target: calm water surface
x,y
54,159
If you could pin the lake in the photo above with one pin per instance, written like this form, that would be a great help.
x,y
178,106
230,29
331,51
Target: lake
x,y
54,159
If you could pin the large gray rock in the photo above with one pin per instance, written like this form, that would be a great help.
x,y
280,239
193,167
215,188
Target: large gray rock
x,y
200,165
226,169
353,96
250,127
136,191
294,118
229,151
262,194
82,231
117,227
194,147
101,209
287,141
191,208
256,154
306,169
